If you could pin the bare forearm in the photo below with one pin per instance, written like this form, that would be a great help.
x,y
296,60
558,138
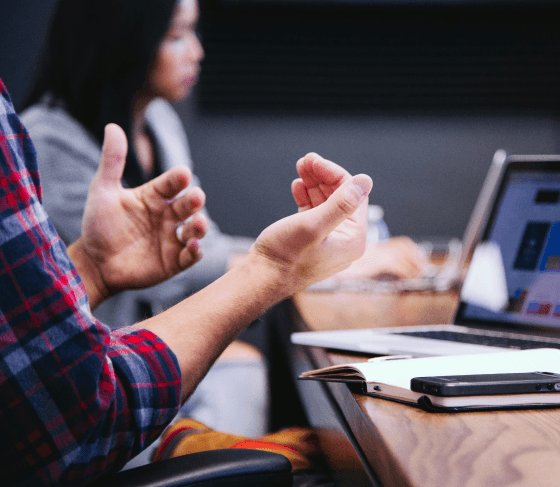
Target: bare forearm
x,y
199,328
287,256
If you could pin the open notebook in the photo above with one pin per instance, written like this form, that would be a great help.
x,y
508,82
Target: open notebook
x,y
524,225
391,379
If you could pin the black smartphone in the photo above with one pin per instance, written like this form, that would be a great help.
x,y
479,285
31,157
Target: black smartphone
x,y
487,384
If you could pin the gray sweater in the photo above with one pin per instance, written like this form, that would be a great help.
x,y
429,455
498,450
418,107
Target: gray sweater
x,y
68,157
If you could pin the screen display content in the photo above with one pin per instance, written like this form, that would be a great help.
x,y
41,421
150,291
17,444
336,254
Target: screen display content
x,y
526,227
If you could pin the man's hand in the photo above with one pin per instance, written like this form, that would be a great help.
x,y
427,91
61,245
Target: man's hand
x,y
324,237
395,258
129,236
329,231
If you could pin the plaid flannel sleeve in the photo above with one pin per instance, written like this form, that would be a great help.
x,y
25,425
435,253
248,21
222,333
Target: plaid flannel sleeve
x,y
76,400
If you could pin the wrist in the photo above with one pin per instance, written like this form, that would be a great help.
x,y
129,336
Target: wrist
x,y
96,289
276,277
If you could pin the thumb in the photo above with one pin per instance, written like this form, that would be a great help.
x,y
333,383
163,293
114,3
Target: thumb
x,y
342,203
113,154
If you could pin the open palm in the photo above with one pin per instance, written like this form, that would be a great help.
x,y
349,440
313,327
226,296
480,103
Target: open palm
x,y
130,234
329,231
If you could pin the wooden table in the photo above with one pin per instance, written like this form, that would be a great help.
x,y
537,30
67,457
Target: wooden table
x,y
371,441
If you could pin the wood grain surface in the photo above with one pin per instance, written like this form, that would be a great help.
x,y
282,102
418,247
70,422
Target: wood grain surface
x,y
406,446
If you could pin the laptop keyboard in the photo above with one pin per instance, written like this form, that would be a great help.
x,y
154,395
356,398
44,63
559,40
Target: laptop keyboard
x,y
489,340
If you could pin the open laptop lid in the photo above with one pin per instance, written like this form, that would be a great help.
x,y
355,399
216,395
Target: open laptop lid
x,y
525,223
483,207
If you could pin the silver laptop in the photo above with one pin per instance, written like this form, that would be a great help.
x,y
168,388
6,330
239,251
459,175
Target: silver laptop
x,y
457,253
521,216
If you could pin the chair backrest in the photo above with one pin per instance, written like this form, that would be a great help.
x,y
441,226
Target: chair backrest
x,y
223,468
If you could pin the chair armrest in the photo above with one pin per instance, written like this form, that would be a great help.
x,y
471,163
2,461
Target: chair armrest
x,y
223,468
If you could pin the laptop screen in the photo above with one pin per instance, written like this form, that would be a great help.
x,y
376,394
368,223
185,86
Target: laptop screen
x,y
525,224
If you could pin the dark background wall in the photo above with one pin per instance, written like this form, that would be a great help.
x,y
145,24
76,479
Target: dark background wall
x,y
417,97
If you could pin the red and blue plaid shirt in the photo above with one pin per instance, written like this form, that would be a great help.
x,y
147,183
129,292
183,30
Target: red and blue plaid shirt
x,y
76,399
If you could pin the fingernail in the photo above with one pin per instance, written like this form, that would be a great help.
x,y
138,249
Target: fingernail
x,y
362,183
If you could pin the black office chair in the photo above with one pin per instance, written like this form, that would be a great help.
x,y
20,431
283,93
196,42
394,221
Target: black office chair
x,y
215,468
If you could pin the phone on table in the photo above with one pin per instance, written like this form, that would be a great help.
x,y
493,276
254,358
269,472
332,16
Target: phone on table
x,y
487,384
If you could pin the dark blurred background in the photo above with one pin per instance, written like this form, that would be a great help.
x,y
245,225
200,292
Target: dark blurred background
x,y
417,94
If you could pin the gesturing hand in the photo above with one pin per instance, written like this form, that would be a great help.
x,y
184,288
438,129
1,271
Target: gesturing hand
x,y
129,235
329,231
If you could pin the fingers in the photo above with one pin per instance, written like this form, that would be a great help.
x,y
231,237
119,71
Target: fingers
x,y
189,203
397,268
403,257
343,203
113,155
195,228
319,179
190,254
314,169
299,191
412,255
395,258
189,233
172,182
